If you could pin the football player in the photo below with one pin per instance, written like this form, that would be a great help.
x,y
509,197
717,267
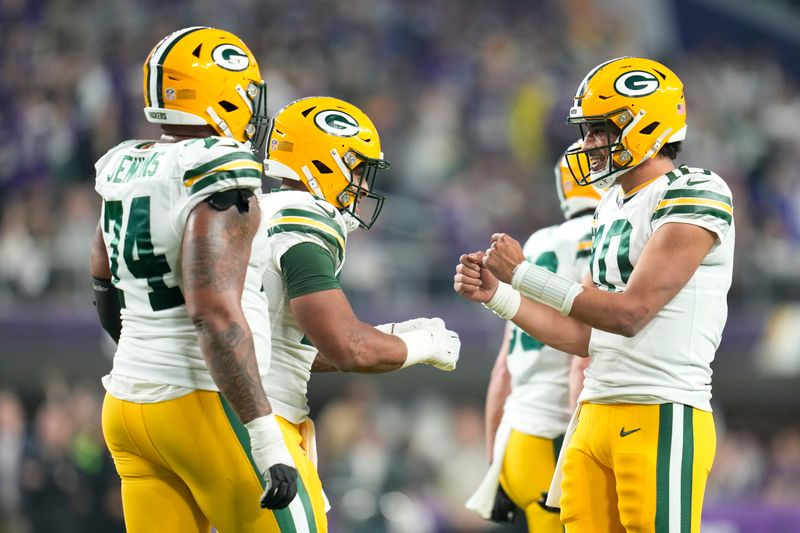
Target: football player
x,y
638,455
185,416
528,400
327,153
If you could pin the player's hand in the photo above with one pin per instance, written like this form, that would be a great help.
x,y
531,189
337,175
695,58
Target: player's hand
x,y
445,346
504,510
274,461
428,341
472,280
280,486
503,256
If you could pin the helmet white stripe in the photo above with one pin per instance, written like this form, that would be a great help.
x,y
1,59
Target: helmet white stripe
x,y
244,96
157,59
312,182
342,167
219,122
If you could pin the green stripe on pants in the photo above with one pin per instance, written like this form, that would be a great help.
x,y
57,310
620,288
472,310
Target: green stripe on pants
x,y
686,469
662,467
283,516
307,507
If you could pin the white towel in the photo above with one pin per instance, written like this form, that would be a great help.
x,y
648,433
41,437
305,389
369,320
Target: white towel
x,y
554,493
482,502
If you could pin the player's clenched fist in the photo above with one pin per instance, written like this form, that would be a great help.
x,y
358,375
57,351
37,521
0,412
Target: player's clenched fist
x,y
472,280
503,256
272,457
428,342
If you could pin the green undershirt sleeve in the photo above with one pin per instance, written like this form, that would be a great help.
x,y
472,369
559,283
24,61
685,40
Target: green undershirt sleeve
x,y
308,268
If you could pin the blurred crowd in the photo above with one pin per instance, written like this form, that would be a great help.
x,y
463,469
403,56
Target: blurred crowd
x,y
388,465
470,104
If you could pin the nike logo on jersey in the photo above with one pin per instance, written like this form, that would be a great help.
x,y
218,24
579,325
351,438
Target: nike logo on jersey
x,y
623,433
330,213
692,181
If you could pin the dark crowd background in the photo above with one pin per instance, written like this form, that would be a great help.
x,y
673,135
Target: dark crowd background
x,y
470,100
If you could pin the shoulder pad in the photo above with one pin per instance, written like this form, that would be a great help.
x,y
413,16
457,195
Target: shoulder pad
x,y
696,192
218,163
121,146
311,217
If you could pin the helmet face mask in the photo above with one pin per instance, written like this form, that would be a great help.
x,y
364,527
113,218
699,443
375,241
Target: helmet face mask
x,y
637,105
359,198
575,193
257,128
333,148
616,158
202,76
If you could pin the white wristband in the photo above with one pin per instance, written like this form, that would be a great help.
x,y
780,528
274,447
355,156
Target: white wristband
x,y
267,444
505,302
546,287
419,345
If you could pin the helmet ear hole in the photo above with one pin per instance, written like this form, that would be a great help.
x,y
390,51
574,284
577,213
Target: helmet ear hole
x,y
647,130
322,168
228,106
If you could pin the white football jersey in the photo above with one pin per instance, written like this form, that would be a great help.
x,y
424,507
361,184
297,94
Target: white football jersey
x,y
290,218
149,189
669,360
539,401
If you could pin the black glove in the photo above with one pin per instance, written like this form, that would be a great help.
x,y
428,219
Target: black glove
x,y
504,509
543,504
281,487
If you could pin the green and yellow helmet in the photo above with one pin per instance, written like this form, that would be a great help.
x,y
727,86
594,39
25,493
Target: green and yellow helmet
x,y
204,76
333,148
640,98
573,197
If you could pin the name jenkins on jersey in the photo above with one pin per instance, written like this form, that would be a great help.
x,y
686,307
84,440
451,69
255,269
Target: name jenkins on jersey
x,y
148,190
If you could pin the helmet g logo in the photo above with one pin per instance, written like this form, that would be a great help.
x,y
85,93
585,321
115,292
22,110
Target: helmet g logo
x,y
230,57
336,123
636,83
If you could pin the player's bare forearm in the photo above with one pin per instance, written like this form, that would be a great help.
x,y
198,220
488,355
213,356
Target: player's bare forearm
x,y
215,254
669,260
375,352
231,359
350,345
550,327
99,266
496,394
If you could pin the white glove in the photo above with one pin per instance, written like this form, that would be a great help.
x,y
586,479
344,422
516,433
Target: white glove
x,y
273,460
427,341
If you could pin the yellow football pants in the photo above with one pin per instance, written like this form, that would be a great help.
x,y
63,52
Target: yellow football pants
x,y
637,468
185,465
528,466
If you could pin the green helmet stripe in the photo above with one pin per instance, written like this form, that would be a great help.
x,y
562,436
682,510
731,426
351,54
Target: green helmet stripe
x,y
157,61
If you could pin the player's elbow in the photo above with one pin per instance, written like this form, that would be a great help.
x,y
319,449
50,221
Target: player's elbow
x,y
207,314
343,353
632,320
347,359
